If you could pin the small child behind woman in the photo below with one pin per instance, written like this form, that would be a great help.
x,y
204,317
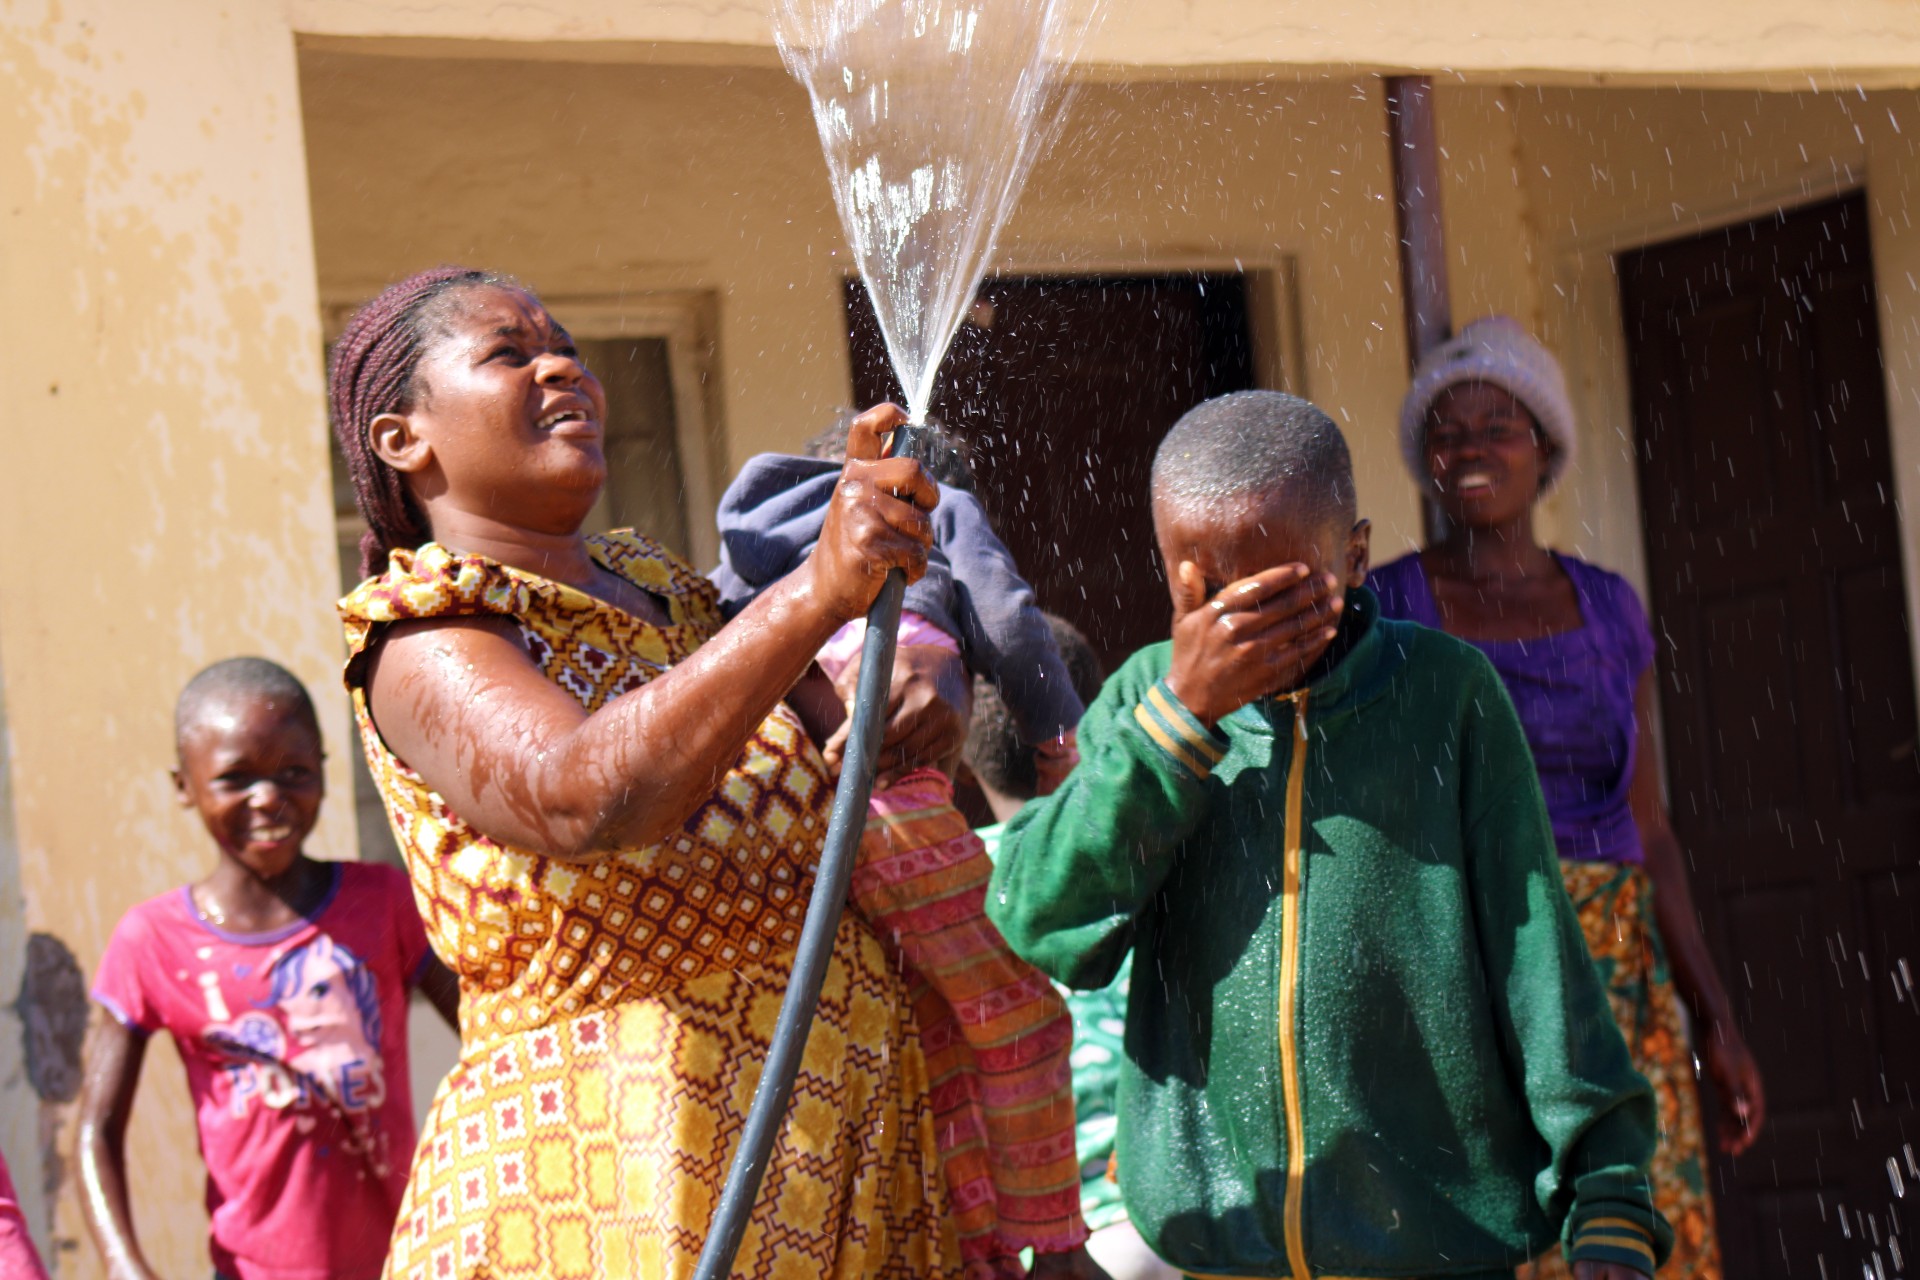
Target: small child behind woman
x,y
996,1034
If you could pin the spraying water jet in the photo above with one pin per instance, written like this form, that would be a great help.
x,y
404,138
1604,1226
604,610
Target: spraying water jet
x,y
931,114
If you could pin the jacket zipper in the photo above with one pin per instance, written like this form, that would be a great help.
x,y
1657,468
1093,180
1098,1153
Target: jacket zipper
x,y
1289,995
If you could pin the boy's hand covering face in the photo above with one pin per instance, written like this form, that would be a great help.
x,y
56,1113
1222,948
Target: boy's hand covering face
x,y
1256,637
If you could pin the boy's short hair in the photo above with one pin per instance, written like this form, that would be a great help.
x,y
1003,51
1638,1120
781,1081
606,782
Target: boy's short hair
x,y
240,677
1257,443
994,750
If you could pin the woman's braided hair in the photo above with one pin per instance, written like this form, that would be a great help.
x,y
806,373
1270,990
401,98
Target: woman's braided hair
x,y
374,370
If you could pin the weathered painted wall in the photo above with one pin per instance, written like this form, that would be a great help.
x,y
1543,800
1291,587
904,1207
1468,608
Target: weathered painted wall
x,y
1542,187
161,335
163,480
1780,42
633,178
19,1106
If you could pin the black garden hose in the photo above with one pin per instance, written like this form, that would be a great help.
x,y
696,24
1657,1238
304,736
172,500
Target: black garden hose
x,y
844,828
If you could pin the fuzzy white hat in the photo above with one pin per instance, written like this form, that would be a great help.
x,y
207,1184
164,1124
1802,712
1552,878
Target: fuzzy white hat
x,y
1498,350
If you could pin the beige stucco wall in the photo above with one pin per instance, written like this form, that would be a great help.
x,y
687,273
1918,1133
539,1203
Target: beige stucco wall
x,y
19,1106
1544,185
163,486
167,505
657,177
643,177
1611,170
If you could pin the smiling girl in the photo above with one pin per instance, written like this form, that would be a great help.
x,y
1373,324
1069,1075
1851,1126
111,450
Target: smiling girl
x,y
305,1161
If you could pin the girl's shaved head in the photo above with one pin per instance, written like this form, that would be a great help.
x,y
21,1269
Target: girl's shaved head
x,y
252,680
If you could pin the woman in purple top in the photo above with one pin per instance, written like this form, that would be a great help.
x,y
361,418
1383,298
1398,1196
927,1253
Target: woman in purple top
x,y
1486,428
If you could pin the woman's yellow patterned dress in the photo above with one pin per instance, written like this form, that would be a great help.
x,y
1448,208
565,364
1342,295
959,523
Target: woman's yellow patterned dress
x,y
615,1014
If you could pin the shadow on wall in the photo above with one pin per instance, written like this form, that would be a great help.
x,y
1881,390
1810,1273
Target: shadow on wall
x,y
53,1010
53,1015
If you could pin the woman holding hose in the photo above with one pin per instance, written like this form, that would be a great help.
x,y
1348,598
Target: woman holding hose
x,y
611,816
1486,429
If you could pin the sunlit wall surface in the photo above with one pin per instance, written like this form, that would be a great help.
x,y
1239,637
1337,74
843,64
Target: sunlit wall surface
x,y
193,189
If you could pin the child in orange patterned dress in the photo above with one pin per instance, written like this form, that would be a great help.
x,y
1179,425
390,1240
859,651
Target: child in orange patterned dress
x,y
996,1033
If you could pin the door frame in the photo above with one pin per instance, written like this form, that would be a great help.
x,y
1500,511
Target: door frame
x,y
1582,312
1847,909
1585,312
1273,296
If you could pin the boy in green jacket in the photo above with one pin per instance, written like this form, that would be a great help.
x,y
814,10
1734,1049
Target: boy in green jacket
x,y
1364,1037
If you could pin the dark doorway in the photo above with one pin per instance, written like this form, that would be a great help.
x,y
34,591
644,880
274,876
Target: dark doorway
x,y
1061,388
1773,545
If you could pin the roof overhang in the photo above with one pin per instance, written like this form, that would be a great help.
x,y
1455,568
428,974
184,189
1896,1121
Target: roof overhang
x,y
1763,44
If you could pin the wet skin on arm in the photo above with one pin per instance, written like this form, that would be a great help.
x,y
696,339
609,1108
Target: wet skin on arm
x,y
502,452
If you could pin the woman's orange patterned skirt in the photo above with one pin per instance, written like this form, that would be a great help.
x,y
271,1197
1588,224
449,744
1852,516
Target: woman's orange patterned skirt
x,y
1615,904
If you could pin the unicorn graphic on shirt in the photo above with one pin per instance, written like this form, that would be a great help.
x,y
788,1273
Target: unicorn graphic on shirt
x,y
327,998
320,1055
321,1048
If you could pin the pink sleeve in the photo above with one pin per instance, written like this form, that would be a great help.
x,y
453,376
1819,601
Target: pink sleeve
x,y
843,650
18,1260
915,629
116,984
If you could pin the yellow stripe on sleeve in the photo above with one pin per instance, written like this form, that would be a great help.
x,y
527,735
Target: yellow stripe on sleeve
x,y
1168,743
1627,1244
1177,718
1617,1224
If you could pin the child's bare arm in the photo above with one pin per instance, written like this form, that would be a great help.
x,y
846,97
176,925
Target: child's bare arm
x,y
441,989
819,705
1255,637
928,704
114,1058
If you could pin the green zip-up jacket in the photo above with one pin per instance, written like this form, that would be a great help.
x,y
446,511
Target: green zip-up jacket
x,y
1364,1037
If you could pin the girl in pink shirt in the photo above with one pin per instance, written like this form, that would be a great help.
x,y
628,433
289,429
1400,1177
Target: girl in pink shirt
x,y
284,983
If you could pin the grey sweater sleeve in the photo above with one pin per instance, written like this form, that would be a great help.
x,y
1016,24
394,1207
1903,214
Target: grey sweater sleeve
x,y
1003,635
770,519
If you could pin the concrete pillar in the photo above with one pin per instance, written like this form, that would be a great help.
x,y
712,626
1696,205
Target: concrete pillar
x,y
1892,130
163,483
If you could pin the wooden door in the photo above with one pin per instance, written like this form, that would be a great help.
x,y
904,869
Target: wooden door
x,y
1061,389
1773,546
